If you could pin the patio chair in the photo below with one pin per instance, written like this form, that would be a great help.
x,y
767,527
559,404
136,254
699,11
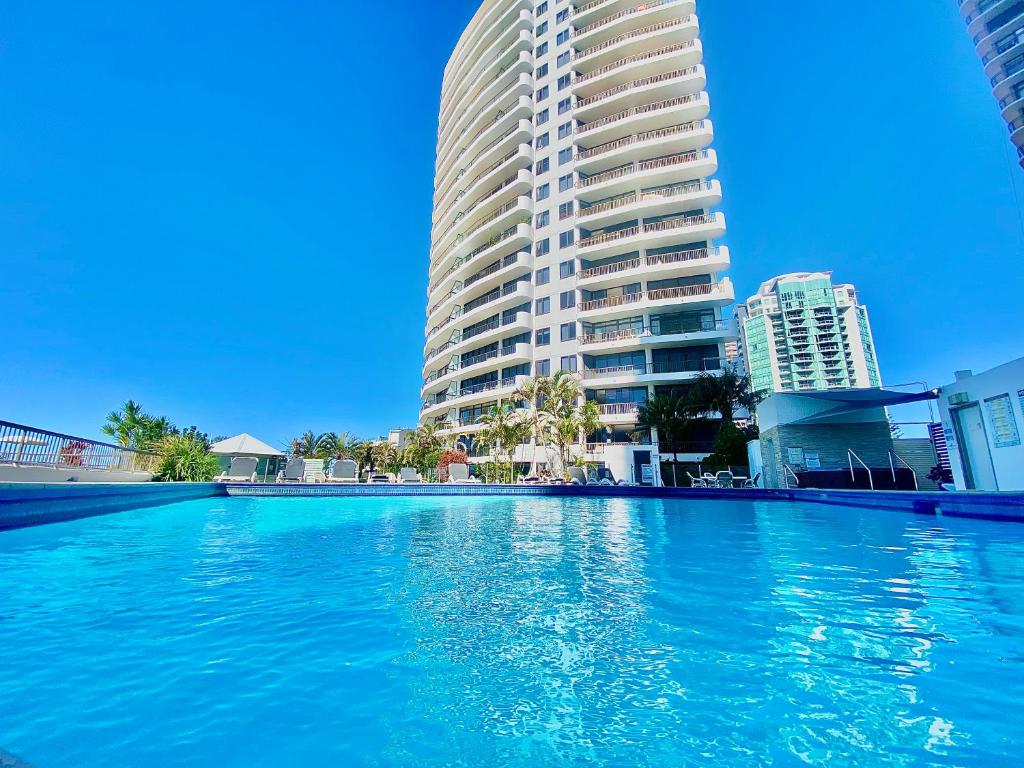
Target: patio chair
x,y
344,471
723,479
293,471
242,470
577,476
752,482
459,473
409,475
697,482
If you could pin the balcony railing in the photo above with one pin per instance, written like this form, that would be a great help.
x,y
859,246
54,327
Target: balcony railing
x,y
609,269
703,365
487,386
628,334
643,109
646,165
28,446
630,35
679,222
659,294
630,198
634,59
637,138
618,409
639,83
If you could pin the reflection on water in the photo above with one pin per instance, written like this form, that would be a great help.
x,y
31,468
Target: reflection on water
x,y
513,632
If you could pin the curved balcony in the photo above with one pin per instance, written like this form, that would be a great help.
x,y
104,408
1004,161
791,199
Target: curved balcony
x,y
484,233
457,368
467,61
518,184
657,267
482,122
689,296
504,298
513,239
471,179
646,90
977,23
707,226
673,140
649,374
673,56
460,341
502,89
995,62
625,20
517,56
659,201
660,171
634,42
634,339
646,117
487,279
1004,90
467,396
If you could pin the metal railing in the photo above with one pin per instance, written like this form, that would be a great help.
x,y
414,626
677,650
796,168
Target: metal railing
x,y
901,460
850,456
633,59
787,471
21,445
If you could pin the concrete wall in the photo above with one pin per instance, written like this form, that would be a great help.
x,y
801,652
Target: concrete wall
x,y
970,390
10,473
870,440
920,454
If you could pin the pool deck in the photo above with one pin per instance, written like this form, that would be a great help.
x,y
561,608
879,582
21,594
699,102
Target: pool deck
x,y
28,504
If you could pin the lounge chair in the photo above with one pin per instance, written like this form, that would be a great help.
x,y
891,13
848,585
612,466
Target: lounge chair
x,y
723,479
293,471
752,482
344,471
459,473
697,482
242,470
409,475
577,476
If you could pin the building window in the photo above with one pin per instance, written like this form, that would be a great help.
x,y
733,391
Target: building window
x,y
568,331
563,36
542,165
565,239
569,364
543,247
543,367
543,306
542,117
542,192
543,219
542,71
565,210
542,93
543,140
565,105
564,82
561,16
543,337
542,49
565,182
542,28
564,155
542,276
563,59
565,129
567,269
567,299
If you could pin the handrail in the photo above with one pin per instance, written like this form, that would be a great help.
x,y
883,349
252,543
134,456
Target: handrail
x,y
902,461
850,456
786,468
25,445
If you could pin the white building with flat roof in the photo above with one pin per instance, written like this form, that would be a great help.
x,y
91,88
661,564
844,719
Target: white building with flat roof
x,y
801,332
575,220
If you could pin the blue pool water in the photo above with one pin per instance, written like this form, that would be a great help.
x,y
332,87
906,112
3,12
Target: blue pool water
x,y
518,632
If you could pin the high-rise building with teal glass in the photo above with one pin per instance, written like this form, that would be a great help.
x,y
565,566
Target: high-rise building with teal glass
x,y
800,332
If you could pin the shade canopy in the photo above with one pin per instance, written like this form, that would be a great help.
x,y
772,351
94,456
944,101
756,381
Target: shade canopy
x,y
243,445
845,401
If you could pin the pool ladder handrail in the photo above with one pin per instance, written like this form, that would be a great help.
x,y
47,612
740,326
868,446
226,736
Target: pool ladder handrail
x,y
850,456
901,460
785,479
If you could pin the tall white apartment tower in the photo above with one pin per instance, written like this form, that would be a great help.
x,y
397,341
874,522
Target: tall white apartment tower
x,y
574,224
997,29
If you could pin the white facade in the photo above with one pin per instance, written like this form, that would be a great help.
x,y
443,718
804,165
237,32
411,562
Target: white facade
x,y
983,421
573,218
801,332
997,29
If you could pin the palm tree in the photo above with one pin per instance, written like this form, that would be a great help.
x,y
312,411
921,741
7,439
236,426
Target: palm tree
x,y
125,424
534,392
311,446
503,430
669,415
722,394
571,427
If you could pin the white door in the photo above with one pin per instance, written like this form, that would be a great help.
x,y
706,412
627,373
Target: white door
x,y
974,450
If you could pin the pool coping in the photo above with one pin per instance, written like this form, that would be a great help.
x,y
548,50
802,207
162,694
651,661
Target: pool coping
x,y
30,504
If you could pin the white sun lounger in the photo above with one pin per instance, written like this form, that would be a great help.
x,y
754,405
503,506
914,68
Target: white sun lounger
x,y
293,471
344,471
242,470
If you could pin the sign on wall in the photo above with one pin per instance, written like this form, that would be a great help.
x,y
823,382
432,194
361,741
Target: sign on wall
x,y
813,460
795,455
1004,423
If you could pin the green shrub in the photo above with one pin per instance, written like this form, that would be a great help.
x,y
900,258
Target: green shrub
x,y
185,458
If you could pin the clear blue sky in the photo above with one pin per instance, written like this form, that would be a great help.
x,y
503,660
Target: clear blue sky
x,y
222,209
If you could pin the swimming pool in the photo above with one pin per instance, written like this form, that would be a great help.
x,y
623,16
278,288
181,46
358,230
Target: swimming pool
x,y
511,631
